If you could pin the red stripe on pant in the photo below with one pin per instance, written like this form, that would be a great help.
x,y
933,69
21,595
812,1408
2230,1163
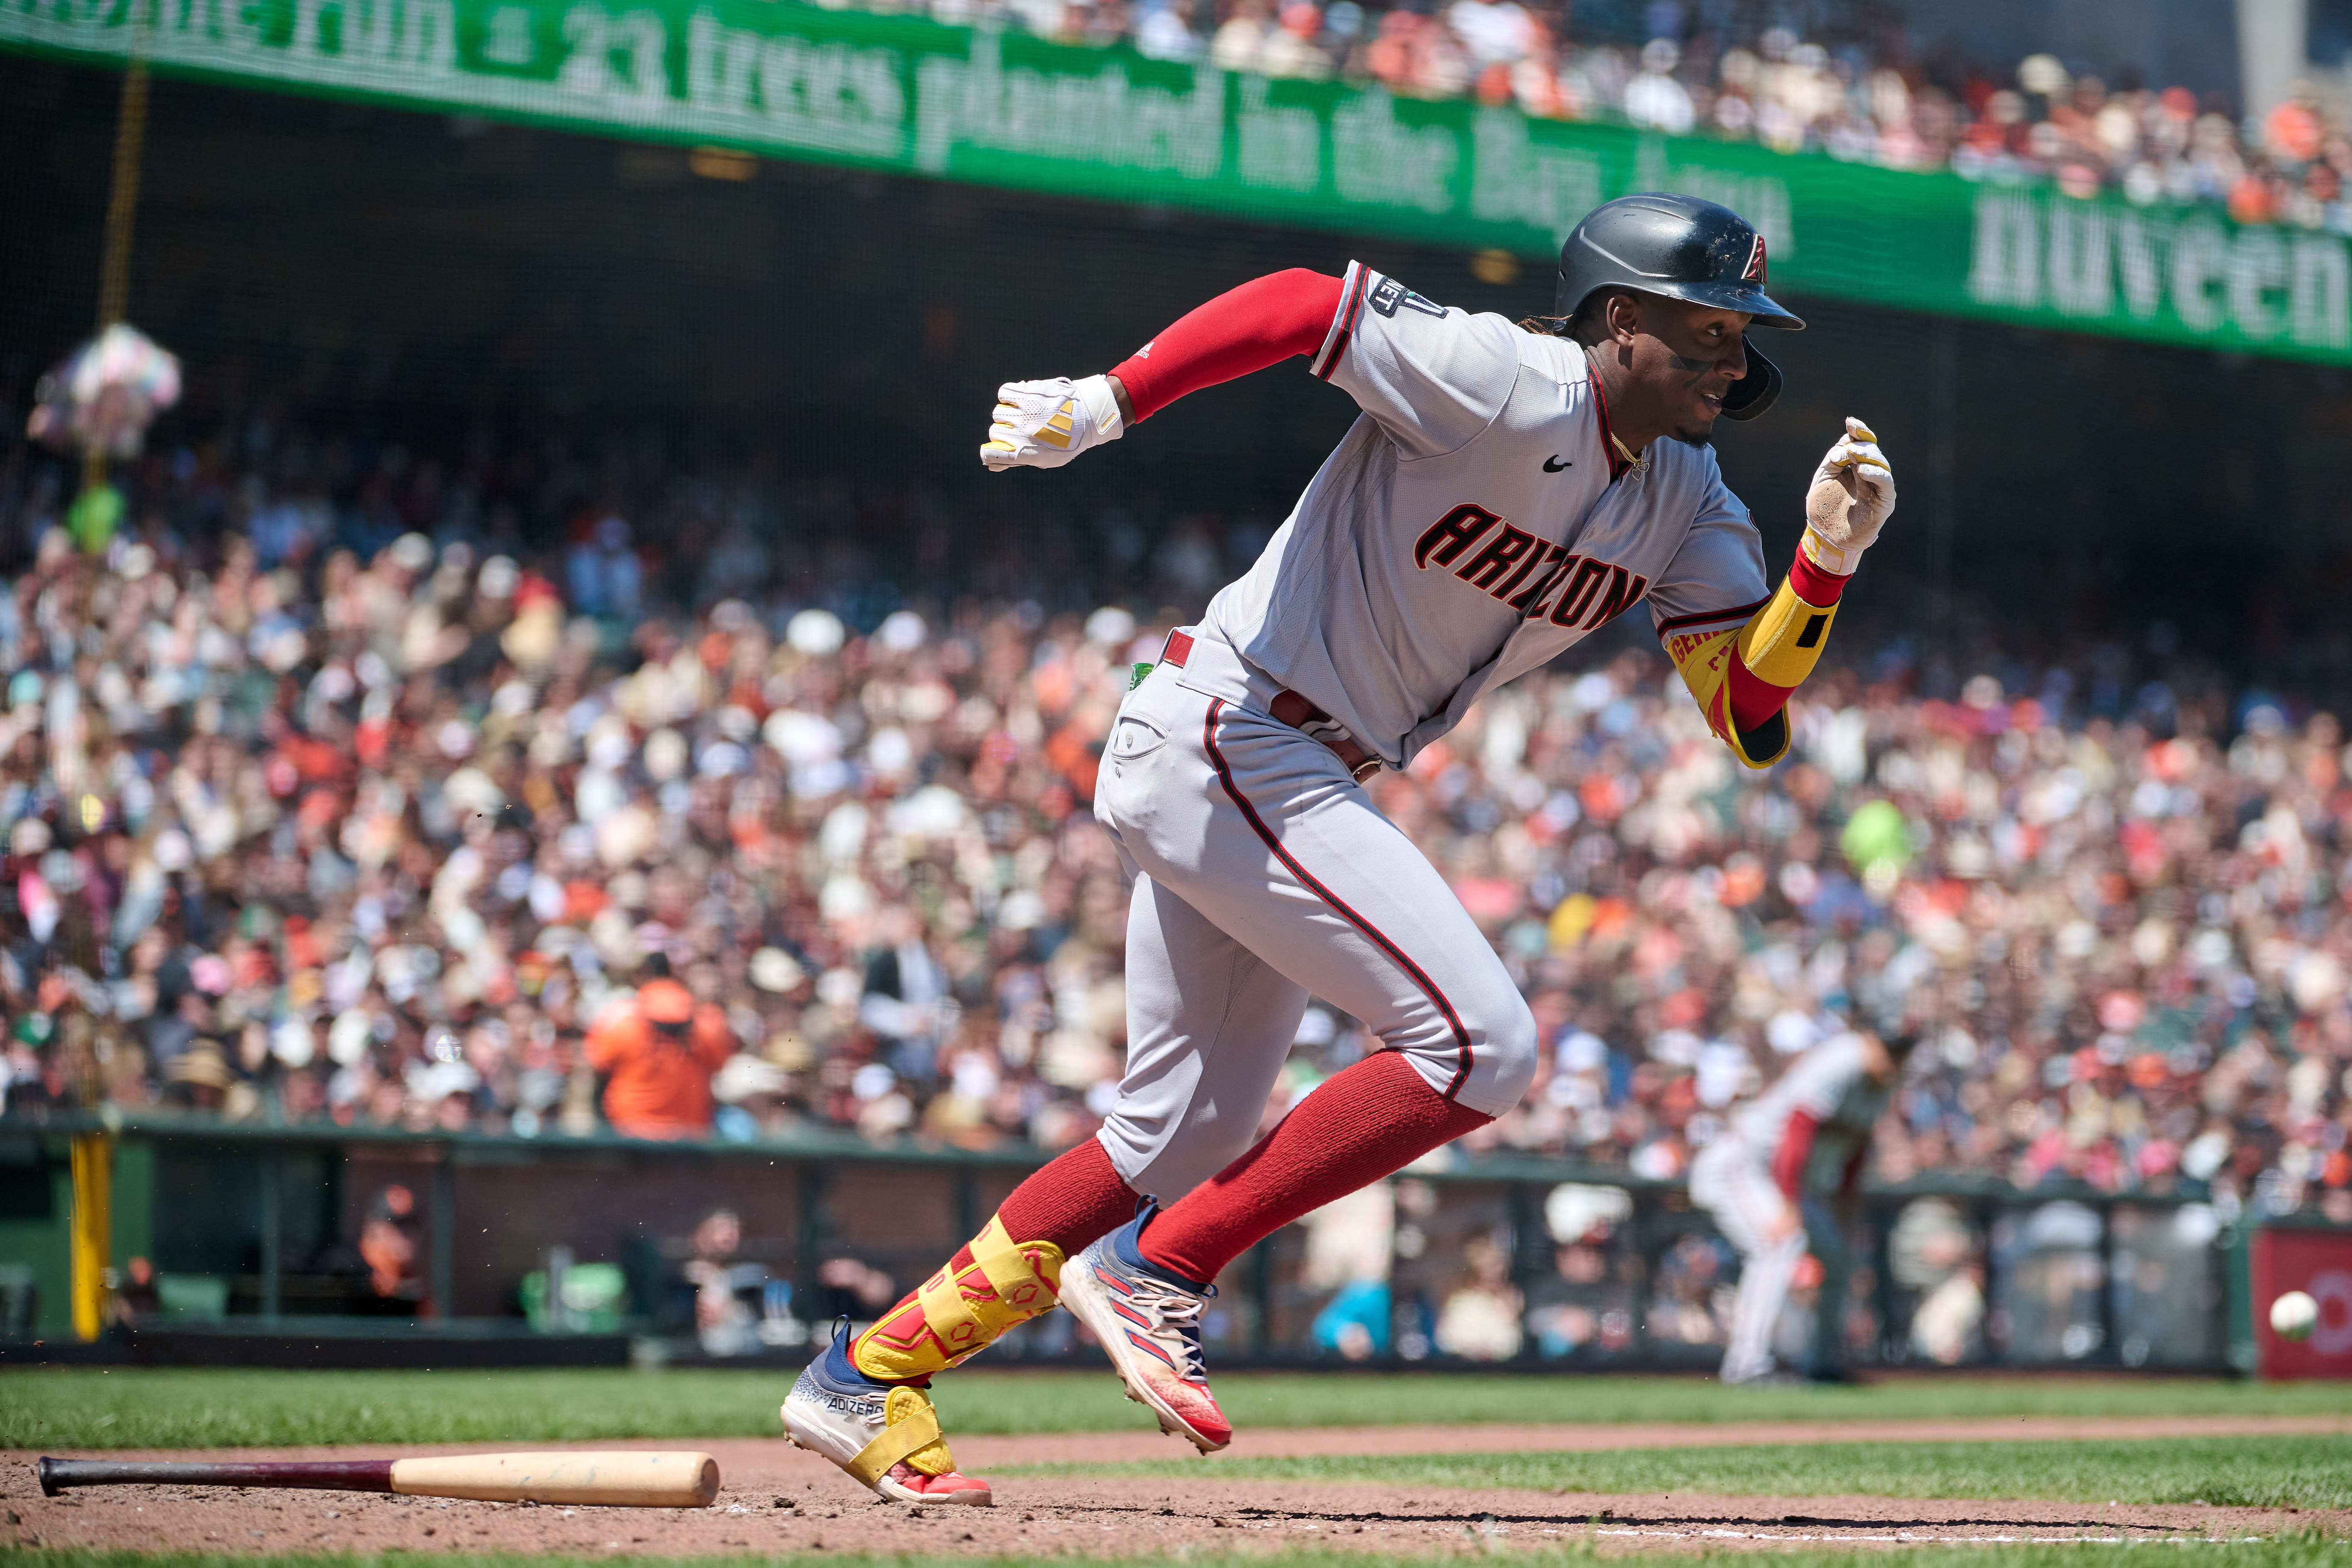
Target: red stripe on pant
x,y
1414,972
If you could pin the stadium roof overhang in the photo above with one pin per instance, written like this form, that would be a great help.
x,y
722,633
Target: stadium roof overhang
x,y
911,96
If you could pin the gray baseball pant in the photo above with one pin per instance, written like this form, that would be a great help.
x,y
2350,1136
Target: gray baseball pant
x,y
1266,875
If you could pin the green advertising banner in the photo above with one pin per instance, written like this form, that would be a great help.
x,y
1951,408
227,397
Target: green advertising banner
x,y
788,80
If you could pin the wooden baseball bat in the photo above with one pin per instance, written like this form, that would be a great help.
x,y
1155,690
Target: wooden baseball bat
x,y
588,1476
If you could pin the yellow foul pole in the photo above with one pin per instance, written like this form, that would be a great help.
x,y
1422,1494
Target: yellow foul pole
x,y
122,213
93,1230
92,1242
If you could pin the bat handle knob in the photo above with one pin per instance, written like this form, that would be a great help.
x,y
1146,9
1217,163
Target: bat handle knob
x,y
48,1471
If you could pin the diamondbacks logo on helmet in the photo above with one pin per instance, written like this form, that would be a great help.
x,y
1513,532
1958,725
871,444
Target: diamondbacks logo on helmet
x,y
1680,246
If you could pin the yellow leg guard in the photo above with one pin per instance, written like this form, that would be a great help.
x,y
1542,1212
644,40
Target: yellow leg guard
x,y
910,1431
959,1313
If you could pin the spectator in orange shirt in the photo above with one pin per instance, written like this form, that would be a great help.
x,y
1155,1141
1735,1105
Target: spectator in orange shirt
x,y
656,1052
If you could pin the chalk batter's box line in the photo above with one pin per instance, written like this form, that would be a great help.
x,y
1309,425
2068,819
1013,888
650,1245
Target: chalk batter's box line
x,y
1907,1538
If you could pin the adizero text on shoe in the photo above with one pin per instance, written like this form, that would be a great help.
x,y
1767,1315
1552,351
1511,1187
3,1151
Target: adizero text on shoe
x,y
1151,1329
886,1438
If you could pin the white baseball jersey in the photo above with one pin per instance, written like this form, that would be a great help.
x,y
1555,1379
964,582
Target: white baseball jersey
x,y
1466,531
1830,1084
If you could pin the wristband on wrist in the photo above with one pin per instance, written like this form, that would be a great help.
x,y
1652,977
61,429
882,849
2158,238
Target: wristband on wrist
x,y
1101,405
1830,558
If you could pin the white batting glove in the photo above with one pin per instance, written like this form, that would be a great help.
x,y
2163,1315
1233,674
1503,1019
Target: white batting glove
x,y
1045,423
1851,496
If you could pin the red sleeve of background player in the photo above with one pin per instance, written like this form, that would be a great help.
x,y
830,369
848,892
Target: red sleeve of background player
x,y
1263,323
1795,1148
1755,699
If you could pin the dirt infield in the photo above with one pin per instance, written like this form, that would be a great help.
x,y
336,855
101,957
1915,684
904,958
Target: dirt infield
x,y
774,1498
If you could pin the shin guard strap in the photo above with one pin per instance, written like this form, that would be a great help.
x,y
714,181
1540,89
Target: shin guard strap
x,y
1024,1287
1017,1292
958,1313
911,1426
950,1317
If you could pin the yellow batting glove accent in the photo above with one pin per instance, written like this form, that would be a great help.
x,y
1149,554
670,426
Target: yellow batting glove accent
x,y
1849,500
1831,559
1045,423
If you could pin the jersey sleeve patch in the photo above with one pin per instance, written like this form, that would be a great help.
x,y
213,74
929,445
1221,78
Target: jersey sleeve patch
x,y
1388,297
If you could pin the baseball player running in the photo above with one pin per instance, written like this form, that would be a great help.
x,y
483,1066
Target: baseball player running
x,y
1507,490
1782,1178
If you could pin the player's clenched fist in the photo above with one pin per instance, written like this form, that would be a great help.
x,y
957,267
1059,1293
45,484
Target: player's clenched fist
x,y
1853,495
1045,423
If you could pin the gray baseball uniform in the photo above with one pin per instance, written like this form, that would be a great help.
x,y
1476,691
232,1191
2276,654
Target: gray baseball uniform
x,y
1475,523
1732,1178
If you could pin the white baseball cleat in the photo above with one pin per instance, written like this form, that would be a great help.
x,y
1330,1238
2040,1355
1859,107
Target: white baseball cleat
x,y
885,1435
1150,1322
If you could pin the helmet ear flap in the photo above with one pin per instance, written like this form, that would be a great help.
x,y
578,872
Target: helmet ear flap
x,y
1752,393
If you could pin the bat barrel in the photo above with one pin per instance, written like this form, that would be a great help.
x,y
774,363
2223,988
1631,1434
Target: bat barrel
x,y
603,1478
317,1475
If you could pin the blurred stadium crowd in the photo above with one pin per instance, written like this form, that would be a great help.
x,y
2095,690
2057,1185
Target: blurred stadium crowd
x,y
1858,92
323,797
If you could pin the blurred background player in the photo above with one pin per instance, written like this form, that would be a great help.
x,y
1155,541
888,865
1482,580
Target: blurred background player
x,y
1507,491
1784,1178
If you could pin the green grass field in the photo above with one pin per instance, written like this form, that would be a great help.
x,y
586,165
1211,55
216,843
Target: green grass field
x,y
132,1408
2241,1472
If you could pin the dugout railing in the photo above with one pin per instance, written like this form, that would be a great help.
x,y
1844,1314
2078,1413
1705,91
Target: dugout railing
x,y
323,1243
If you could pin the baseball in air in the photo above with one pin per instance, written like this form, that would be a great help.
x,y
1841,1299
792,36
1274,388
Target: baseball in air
x,y
2295,1315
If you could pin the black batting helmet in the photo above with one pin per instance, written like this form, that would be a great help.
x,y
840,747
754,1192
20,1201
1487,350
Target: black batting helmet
x,y
1683,249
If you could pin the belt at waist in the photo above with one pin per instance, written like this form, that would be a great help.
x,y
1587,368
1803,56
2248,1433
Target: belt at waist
x,y
1289,708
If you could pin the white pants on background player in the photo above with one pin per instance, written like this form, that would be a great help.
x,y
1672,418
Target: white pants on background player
x,y
1731,1181
1266,875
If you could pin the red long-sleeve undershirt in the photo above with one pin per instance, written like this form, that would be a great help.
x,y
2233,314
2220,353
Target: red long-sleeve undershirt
x,y
1268,320
1263,323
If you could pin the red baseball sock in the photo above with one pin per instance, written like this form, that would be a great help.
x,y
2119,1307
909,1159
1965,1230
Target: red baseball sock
x,y
1074,1201
1374,1118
